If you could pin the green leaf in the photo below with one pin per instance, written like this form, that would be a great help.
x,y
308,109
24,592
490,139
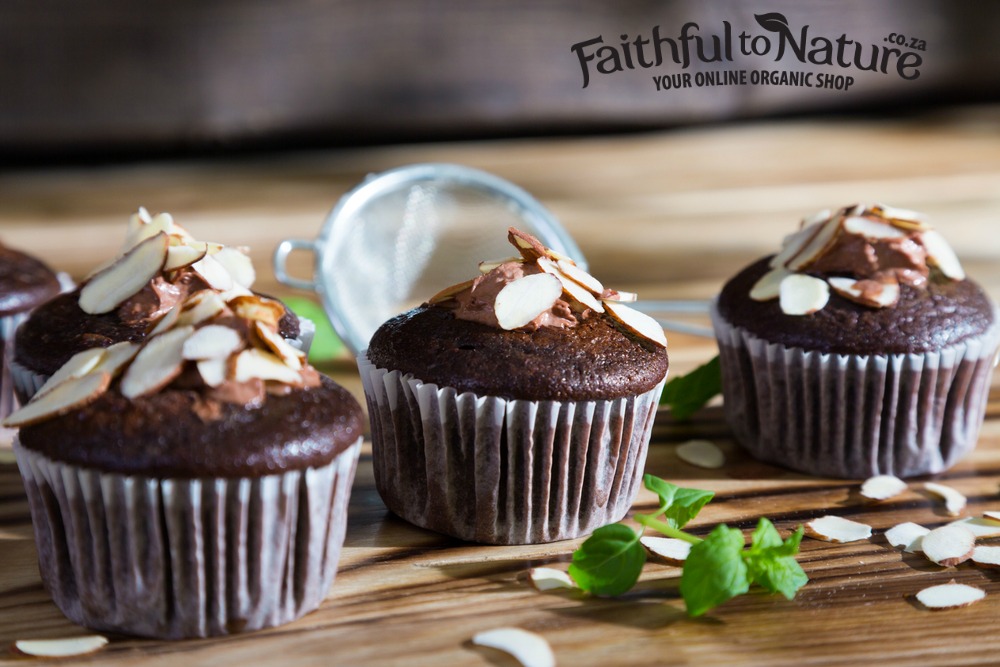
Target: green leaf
x,y
678,504
771,561
326,344
714,571
609,562
687,394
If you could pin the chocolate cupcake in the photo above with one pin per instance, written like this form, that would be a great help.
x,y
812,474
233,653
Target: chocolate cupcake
x,y
25,282
515,407
193,484
859,349
160,265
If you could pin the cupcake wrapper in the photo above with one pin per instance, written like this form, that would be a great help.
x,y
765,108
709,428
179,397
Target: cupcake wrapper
x,y
25,383
854,416
187,558
307,331
486,469
8,325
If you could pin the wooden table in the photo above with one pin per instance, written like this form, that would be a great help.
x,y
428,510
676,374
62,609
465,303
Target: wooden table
x,y
669,215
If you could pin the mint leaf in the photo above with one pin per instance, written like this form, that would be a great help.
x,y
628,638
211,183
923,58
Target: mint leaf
x,y
771,561
678,504
687,394
609,562
714,571
326,344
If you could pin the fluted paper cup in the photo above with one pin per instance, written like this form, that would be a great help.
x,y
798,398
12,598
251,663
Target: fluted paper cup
x,y
175,558
8,325
496,471
854,416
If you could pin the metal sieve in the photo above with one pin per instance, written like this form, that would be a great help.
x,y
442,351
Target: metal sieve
x,y
403,234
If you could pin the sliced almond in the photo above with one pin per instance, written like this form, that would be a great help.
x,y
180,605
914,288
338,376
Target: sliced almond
x,y
116,356
981,528
259,308
954,501
199,307
126,276
213,273
578,275
76,366
213,371
68,647
253,363
793,244
156,365
292,356
816,218
986,556
549,578
949,596
887,294
837,529
161,223
882,487
67,396
901,217
618,295
948,545
768,286
522,300
580,294
872,229
637,322
669,550
166,321
179,256
213,341
528,648
941,254
701,453
803,295
529,247
238,264
907,535
489,265
817,244
450,291
991,515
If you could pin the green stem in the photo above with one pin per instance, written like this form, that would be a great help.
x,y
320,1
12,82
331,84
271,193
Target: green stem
x,y
666,528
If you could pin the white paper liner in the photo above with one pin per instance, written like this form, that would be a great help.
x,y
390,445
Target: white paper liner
x,y
8,324
187,558
854,416
496,471
307,331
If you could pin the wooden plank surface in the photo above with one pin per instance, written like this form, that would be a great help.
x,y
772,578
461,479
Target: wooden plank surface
x,y
671,214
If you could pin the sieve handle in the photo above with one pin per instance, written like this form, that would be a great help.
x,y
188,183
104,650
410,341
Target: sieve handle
x,y
281,253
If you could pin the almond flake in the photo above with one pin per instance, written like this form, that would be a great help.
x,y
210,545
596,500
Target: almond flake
x,y
954,501
578,275
450,291
125,277
941,254
522,300
837,529
618,295
948,545
69,395
160,360
213,273
214,341
802,295
887,294
986,556
213,371
981,528
907,535
949,596
528,648
991,515
76,366
579,293
116,356
901,217
701,453
258,308
872,229
768,286
254,363
637,322
489,265
292,356
549,578
60,648
166,321
161,223
669,550
882,487
793,244
199,307
529,247
238,264
816,245
179,256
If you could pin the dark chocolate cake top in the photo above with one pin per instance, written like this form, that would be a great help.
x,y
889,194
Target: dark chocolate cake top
x,y
25,282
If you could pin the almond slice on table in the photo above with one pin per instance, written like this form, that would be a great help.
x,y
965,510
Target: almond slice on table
x,y
802,295
954,501
986,556
522,300
254,363
238,264
548,578
179,256
60,648
908,535
832,528
701,453
981,528
768,286
872,229
71,394
292,356
882,487
637,322
887,295
124,277
254,307
948,545
76,366
528,648
949,596
578,275
160,360
941,254
213,273
669,550
213,341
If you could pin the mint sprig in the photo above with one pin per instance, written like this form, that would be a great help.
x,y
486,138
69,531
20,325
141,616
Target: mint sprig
x,y
719,567
686,394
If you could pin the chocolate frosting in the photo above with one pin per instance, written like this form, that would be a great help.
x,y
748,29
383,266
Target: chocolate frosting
x,y
931,317
475,303
164,435
596,360
25,282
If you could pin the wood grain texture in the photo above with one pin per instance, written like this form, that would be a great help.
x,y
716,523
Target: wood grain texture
x,y
670,215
